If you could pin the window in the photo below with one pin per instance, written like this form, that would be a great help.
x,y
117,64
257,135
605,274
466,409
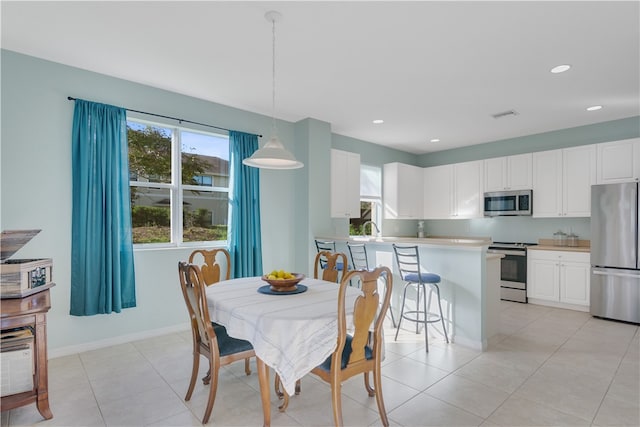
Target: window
x,y
370,201
179,182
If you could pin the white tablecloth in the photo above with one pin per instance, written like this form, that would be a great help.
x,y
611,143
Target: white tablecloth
x,y
291,333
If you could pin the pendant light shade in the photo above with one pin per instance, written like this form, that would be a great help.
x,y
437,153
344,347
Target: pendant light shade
x,y
273,155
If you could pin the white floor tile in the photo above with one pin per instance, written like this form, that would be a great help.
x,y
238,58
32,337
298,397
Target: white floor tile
x,y
516,411
615,412
477,398
547,367
424,410
414,374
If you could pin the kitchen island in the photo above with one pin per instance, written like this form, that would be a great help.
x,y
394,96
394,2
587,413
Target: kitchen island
x,y
470,288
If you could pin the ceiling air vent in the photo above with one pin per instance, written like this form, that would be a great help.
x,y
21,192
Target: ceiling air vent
x,y
505,114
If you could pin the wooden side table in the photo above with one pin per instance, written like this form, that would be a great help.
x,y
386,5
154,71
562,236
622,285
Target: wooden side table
x,y
30,311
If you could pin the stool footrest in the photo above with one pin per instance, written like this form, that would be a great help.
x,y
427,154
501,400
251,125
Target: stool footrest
x,y
419,316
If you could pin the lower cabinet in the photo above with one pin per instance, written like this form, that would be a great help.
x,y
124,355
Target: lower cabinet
x,y
559,278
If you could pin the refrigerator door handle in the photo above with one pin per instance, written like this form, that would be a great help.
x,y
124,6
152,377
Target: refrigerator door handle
x,y
603,273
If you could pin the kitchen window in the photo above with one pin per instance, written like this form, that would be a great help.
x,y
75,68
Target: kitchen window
x,y
179,181
370,201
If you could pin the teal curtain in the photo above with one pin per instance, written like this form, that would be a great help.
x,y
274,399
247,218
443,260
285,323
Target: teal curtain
x,y
245,242
102,273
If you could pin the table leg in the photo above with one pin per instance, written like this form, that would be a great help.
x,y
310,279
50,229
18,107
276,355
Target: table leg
x,y
263,377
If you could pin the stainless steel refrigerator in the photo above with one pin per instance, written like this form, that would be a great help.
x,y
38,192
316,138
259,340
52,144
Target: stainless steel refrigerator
x,y
615,251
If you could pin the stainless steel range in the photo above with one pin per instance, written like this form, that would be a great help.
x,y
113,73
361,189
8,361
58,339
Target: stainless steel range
x,y
513,269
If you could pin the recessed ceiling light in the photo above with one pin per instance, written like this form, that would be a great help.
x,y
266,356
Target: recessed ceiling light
x,y
560,69
378,121
435,140
594,108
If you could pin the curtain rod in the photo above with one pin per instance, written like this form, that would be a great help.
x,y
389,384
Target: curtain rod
x,y
70,98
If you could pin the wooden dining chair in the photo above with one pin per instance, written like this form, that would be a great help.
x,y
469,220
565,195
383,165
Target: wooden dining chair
x,y
329,266
215,265
361,351
209,339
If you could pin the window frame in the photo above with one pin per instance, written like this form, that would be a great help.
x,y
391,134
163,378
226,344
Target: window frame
x,y
177,188
376,216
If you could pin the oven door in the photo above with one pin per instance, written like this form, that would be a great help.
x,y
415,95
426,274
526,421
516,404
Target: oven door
x,y
513,270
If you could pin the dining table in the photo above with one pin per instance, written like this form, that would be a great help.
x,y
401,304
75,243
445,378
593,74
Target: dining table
x,y
291,332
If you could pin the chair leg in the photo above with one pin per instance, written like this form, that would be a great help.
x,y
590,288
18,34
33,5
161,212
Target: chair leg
x,y
444,329
298,387
404,298
214,368
276,386
370,391
426,319
194,375
377,379
247,366
336,403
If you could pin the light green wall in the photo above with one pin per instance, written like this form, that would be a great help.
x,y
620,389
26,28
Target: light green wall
x,y
35,185
36,189
591,134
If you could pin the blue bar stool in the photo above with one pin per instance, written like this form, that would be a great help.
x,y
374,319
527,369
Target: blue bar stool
x,y
408,260
328,246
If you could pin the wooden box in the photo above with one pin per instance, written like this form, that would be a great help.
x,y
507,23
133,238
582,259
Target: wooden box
x,y
22,277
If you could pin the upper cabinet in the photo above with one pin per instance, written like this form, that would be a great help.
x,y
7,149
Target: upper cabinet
x,y
508,173
438,192
345,184
402,191
562,181
453,191
618,161
468,192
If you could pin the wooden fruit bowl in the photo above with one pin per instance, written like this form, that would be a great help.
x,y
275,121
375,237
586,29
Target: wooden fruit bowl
x,y
284,285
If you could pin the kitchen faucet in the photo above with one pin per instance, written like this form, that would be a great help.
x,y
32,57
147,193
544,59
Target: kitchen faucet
x,y
364,225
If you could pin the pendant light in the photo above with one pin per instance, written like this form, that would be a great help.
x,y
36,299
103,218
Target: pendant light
x,y
273,155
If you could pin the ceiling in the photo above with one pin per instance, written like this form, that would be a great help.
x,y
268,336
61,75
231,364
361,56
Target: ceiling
x,y
428,69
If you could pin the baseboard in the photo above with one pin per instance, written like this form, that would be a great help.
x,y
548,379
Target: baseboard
x,y
472,344
121,339
559,304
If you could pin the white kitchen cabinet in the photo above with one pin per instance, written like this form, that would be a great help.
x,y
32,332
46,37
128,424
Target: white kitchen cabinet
x,y
345,184
508,173
402,191
438,192
453,191
559,278
562,182
468,190
618,161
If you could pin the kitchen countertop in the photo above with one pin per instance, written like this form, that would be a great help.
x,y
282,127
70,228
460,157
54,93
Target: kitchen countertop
x,y
547,245
435,240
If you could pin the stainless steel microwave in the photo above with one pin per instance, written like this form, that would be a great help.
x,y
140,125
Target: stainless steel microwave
x,y
508,203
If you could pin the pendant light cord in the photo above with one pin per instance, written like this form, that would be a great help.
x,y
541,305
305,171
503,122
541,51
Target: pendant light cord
x,y
273,77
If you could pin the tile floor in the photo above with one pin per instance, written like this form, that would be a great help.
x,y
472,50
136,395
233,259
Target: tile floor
x,y
548,367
